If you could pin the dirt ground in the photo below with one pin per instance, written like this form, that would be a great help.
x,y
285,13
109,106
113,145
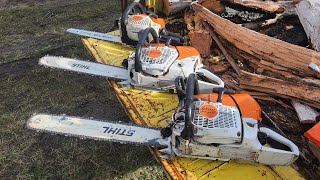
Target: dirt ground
x,y
30,29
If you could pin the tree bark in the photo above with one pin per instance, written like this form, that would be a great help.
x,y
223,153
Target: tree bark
x,y
175,6
199,36
295,91
213,5
232,62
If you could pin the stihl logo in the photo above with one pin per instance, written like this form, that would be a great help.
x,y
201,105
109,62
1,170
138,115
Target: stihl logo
x,y
155,53
208,111
80,66
118,131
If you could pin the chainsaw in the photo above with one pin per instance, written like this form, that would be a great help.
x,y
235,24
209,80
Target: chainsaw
x,y
153,66
217,126
133,21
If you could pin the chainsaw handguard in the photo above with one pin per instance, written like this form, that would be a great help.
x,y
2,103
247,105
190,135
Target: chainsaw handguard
x,y
144,37
180,87
191,89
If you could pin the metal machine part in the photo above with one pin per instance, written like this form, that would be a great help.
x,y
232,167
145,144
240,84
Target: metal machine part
x,y
96,35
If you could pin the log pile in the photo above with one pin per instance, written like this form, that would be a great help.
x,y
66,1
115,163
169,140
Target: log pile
x,y
278,68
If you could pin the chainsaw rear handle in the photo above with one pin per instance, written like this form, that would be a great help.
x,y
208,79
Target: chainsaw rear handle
x,y
192,88
143,38
269,155
279,138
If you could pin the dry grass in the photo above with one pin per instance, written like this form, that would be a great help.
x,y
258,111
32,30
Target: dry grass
x,y
28,32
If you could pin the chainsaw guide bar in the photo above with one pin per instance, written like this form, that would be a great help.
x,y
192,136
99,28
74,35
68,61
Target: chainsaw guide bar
x,y
95,129
95,35
84,67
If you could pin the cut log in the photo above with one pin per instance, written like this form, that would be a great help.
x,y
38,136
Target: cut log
x,y
269,6
201,41
292,90
200,38
232,62
309,15
213,5
175,6
258,47
305,113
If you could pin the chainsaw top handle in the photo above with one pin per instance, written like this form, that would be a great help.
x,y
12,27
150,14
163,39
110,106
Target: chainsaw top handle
x,y
129,9
135,8
192,88
143,39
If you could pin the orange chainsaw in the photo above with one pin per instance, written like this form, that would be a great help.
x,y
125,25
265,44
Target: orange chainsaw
x,y
134,20
153,66
206,126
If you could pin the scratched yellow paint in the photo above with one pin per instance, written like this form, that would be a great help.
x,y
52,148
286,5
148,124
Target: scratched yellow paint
x,y
153,109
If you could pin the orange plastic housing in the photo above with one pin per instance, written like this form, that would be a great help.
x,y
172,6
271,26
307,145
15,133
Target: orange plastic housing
x,y
314,134
248,105
186,51
160,45
159,21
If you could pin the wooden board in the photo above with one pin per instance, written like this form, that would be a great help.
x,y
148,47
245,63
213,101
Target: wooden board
x,y
309,15
154,108
305,113
290,90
